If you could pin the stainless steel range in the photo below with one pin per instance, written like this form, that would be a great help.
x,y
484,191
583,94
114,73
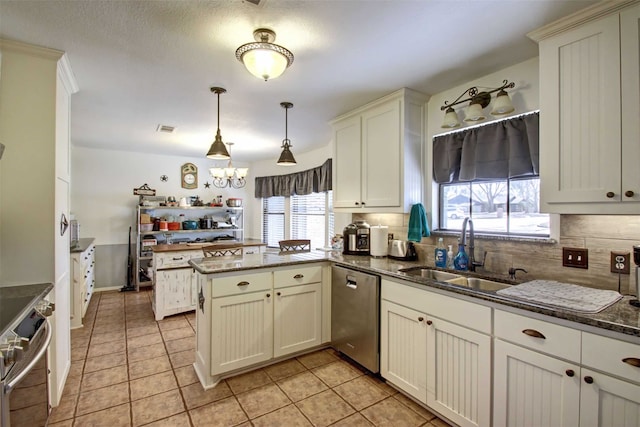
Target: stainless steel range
x,y
24,340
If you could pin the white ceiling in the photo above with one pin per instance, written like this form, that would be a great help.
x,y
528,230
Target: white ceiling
x,y
143,63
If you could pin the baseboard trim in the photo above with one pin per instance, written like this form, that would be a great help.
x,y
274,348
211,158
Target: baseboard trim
x,y
107,289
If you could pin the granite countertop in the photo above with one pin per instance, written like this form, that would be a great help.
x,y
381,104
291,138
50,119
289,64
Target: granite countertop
x,y
620,317
198,245
82,245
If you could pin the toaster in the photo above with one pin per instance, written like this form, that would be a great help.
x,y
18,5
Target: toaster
x,y
402,249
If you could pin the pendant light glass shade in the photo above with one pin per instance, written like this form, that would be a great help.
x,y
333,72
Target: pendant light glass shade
x,y
286,157
218,150
502,104
474,113
450,119
264,59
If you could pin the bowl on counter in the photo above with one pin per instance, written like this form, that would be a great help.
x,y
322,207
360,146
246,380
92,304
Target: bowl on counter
x,y
189,225
234,202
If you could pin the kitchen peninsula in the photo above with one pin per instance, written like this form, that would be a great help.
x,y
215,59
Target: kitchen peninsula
x,y
254,310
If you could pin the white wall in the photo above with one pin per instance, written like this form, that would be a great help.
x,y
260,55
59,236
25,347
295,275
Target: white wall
x,y
524,96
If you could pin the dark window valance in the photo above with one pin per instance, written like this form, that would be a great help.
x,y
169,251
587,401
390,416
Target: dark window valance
x,y
314,180
500,150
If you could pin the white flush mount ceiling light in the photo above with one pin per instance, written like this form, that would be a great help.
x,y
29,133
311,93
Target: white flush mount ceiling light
x,y
218,150
479,100
263,58
286,157
229,176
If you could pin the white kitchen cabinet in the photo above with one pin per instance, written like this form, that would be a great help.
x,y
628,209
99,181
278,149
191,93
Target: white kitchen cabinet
x,y
589,127
403,348
83,282
175,286
241,331
437,349
35,104
297,309
377,152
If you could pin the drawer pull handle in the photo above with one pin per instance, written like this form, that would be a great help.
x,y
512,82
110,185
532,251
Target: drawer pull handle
x,y
429,322
177,258
243,284
533,333
588,379
420,319
569,372
298,276
633,361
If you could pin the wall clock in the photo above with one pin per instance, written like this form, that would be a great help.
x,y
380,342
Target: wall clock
x,y
189,173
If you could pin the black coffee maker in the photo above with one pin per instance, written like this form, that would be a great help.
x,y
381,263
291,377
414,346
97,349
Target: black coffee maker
x,y
634,284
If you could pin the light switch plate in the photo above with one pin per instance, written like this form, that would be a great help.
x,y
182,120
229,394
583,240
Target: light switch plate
x,y
575,257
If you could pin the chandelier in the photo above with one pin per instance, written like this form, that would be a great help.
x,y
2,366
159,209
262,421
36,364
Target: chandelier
x,y
229,177
263,58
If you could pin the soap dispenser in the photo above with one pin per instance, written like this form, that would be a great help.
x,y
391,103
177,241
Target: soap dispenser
x,y
440,254
461,260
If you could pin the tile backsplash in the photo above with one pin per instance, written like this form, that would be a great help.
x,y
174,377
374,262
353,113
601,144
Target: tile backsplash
x,y
600,234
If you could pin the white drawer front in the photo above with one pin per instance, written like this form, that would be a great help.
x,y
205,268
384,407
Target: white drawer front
x,y
611,355
240,283
173,259
297,276
560,341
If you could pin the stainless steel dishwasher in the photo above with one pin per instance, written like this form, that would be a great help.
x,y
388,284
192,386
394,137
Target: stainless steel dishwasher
x,y
355,316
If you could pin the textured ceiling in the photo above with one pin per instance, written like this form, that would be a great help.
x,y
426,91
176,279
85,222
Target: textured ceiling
x,y
143,63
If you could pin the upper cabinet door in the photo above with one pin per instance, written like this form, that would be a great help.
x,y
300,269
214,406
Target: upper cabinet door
x,y
580,151
630,74
346,163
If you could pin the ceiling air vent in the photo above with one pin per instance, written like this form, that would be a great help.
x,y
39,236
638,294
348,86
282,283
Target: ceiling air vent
x,y
165,128
255,2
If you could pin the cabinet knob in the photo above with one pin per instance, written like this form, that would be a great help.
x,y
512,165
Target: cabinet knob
x,y
429,322
279,294
610,194
588,379
357,203
628,193
533,333
569,372
633,361
420,319
362,203
268,295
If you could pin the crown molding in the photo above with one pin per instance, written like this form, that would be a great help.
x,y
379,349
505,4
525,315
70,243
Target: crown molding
x,y
29,49
580,17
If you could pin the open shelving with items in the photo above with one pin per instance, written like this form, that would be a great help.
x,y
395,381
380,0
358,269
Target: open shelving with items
x,y
226,223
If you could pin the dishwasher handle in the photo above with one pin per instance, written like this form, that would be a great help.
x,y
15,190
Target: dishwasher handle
x,y
351,283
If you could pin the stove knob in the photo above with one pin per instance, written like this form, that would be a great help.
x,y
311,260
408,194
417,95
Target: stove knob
x,y
6,350
24,343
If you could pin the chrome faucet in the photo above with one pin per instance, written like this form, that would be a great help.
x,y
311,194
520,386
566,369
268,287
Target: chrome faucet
x,y
463,240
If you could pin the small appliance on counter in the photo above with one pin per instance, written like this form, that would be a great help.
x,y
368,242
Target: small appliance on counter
x,y
379,246
403,250
356,238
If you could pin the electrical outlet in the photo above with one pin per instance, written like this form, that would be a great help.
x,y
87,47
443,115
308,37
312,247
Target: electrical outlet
x,y
620,262
575,257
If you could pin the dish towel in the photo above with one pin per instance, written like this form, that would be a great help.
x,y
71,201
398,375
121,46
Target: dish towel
x,y
563,295
418,227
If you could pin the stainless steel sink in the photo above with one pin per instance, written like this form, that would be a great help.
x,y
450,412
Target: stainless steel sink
x,y
428,273
478,284
455,279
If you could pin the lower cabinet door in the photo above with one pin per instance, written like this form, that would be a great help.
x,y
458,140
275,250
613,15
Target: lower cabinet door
x,y
241,331
459,373
532,389
297,318
177,290
607,401
403,348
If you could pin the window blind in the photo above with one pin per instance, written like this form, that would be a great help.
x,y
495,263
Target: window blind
x,y
308,218
273,220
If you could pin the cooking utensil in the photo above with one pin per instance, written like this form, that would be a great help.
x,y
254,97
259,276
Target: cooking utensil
x,y
190,225
234,202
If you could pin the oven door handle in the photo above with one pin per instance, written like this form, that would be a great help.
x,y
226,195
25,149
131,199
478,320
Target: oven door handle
x,y
43,348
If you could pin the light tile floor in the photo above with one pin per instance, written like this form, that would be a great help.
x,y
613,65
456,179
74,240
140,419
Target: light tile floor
x,y
129,370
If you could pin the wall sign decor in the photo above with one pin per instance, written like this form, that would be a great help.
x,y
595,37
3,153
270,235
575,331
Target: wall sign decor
x,y
207,185
189,173
144,190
